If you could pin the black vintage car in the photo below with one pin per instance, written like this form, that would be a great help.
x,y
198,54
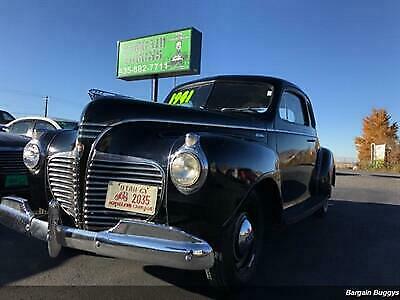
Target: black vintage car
x,y
5,117
194,183
14,175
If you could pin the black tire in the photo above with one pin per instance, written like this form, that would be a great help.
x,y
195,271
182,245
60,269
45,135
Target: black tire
x,y
323,211
233,269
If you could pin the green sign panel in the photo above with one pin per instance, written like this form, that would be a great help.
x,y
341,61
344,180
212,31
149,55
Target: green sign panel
x,y
163,55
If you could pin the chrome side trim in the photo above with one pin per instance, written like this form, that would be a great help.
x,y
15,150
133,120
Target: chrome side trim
x,y
92,133
95,132
188,123
92,124
292,132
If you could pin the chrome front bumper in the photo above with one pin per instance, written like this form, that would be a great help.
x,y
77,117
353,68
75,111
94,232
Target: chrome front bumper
x,y
130,239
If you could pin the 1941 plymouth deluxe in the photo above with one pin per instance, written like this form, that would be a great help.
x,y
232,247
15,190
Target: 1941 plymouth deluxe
x,y
194,183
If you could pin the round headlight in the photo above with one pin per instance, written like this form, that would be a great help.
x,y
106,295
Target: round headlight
x,y
31,155
185,169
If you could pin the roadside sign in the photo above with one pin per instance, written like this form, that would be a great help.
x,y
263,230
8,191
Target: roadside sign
x,y
380,152
167,54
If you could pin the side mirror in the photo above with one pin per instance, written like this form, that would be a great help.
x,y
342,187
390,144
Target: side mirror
x,y
3,128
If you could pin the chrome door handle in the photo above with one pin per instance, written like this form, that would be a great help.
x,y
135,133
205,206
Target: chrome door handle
x,y
311,140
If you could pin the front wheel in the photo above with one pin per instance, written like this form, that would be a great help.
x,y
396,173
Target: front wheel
x,y
242,242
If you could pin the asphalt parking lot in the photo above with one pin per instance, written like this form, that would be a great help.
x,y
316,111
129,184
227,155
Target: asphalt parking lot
x,y
357,244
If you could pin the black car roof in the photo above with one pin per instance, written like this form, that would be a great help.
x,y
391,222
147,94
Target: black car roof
x,y
259,78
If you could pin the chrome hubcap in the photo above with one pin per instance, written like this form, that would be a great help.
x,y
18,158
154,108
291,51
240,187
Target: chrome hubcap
x,y
245,237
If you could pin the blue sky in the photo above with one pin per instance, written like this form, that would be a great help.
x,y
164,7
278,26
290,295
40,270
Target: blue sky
x,y
344,54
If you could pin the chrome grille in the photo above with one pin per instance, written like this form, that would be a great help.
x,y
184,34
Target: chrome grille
x,y
90,130
12,162
63,181
105,167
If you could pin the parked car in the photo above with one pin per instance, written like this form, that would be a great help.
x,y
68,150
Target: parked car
x,y
14,175
28,125
194,183
5,117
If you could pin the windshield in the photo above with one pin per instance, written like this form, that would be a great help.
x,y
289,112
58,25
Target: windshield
x,y
223,95
190,96
68,125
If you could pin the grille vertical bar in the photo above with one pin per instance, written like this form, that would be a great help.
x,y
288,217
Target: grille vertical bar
x,y
105,167
63,181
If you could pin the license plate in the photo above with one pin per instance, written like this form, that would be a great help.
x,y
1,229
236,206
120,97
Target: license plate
x,y
15,180
132,197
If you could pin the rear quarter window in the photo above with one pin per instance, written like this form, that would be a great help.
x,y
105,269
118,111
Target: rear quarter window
x,y
291,109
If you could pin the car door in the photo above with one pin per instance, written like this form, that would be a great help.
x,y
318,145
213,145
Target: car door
x,y
296,147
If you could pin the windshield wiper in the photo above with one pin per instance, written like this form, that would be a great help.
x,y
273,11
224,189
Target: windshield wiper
x,y
245,109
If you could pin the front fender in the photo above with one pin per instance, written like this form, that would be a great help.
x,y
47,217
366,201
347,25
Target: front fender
x,y
236,165
237,161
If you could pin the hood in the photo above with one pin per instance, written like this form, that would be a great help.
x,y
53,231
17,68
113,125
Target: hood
x,y
109,110
9,140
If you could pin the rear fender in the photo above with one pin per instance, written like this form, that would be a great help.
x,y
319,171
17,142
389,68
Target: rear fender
x,y
326,171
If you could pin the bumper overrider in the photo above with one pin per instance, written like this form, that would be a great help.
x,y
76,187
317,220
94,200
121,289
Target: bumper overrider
x,y
130,239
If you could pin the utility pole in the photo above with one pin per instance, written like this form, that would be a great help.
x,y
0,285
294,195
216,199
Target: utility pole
x,y
46,101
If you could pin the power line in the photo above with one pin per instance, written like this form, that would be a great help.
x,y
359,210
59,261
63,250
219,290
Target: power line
x,y
37,95
20,92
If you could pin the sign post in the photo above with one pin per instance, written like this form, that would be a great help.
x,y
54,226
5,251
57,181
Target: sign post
x,y
169,54
372,152
154,89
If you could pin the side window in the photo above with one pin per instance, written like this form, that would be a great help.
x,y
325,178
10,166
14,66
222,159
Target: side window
x,y
42,125
7,117
312,118
291,109
23,127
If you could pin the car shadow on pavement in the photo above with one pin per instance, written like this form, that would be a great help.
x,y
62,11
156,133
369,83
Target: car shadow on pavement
x,y
22,257
355,244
